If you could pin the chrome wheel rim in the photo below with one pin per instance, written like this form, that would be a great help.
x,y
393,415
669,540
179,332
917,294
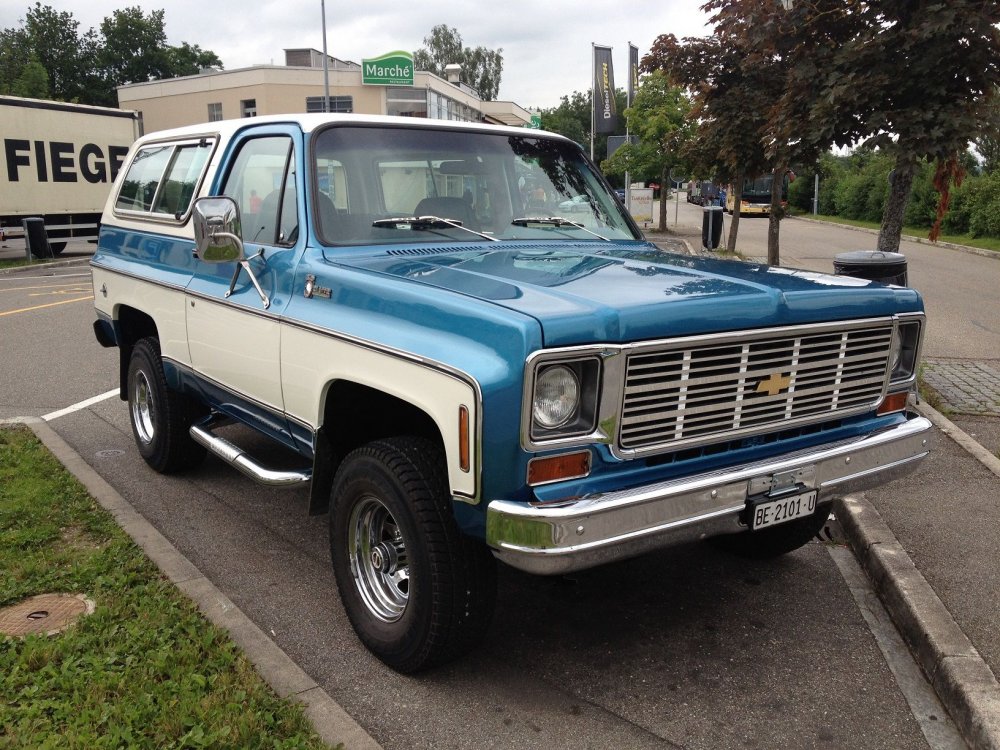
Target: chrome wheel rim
x,y
378,558
142,408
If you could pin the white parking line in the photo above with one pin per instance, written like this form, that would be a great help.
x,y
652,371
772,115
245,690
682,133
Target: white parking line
x,y
78,406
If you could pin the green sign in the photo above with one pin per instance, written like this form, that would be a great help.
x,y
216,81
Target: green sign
x,y
536,121
391,69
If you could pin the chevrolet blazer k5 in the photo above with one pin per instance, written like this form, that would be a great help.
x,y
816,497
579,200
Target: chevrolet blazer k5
x,y
468,373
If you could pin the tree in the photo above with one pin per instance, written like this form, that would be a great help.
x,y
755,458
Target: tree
x,y
659,117
481,67
14,55
188,60
924,76
33,82
133,47
573,119
729,110
988,142
52,39
87,67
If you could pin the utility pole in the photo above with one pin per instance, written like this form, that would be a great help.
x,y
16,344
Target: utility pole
x,y
326,61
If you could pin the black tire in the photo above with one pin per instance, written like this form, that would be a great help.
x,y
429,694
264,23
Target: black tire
x,y
417,591
776,541
160,417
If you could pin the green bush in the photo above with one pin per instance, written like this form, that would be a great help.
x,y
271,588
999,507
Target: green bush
x,y
921,210
983,197
956,221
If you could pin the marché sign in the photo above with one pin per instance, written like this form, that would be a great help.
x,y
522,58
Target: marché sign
x,y
391,69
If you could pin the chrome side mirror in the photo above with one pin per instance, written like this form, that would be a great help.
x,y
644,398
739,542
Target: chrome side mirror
x,y
218,239
217,230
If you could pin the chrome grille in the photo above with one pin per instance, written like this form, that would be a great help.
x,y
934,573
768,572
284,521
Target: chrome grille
x,y
713,390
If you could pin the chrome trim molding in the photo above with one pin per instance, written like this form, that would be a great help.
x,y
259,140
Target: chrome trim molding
x,y
595,529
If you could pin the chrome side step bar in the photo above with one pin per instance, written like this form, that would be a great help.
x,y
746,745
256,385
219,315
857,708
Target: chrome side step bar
x,y
240,460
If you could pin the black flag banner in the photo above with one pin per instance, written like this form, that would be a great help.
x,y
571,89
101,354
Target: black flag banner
x,y
633,72
605,113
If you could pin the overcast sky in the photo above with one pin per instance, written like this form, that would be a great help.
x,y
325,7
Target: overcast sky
x,y
546,43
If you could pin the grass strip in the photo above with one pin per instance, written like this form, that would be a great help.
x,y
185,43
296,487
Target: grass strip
x,y
146,670
14,263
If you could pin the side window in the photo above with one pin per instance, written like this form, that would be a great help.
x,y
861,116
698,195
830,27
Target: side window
x,y
262,182
143,178
181,179
163,179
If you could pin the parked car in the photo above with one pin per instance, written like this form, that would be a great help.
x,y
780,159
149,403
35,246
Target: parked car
x,y
458,381
709,194
576,204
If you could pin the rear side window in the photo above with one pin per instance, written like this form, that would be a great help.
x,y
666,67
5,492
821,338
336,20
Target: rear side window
x,y
162,179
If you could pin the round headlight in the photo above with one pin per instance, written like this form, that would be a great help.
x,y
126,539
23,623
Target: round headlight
x,y
557,396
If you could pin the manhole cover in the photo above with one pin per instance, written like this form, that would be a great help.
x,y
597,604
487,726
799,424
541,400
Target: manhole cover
x,y
45,613
110,453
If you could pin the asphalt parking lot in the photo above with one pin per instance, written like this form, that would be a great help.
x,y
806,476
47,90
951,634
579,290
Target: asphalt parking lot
x,y
688,648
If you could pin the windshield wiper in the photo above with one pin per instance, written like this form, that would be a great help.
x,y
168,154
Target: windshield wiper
x,y
557,222
421,223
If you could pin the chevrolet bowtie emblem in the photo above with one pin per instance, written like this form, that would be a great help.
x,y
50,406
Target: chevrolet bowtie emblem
x,y
774,384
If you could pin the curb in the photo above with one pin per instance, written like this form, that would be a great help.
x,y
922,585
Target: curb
x,y
331,722
13,270
963,681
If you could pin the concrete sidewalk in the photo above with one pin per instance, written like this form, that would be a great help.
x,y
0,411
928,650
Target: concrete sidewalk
x,y
930,543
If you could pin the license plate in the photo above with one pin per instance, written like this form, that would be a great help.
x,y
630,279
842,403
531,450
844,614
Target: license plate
x,y
772,512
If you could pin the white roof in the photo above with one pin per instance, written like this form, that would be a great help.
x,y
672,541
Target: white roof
x,y
310,122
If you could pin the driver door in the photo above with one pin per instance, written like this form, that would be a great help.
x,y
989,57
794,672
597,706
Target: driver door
x,y
234,340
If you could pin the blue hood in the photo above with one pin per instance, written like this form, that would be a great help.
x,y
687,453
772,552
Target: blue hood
x,y
631,291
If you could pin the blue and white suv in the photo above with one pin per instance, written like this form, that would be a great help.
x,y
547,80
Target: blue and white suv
x,y
466,378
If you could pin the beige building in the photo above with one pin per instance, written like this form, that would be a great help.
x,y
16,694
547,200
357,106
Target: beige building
x,y
298,86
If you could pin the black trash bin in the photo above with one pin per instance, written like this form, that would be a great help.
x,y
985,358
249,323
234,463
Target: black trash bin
x,y
711,227
874,265
36,239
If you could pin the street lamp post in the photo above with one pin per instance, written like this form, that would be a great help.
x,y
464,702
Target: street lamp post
x,y
326,61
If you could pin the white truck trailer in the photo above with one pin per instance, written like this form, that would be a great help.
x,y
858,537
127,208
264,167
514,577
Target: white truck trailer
x,y
59,162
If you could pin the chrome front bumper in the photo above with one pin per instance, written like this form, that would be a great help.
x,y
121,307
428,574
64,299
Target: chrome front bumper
x,y
594,529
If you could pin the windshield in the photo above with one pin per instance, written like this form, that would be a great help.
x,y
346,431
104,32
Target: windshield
x,y
484,186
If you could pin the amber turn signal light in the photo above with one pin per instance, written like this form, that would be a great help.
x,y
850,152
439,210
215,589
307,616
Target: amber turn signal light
x,y
558,468
464,449
893,402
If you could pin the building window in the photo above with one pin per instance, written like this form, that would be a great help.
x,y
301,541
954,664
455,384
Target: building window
x,y
214,111
406,102
341,104
248,108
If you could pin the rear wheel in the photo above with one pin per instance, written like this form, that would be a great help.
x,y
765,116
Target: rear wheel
x,y
417,592
160,417
777,540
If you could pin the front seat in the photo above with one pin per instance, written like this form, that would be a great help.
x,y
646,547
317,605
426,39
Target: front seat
x,y
455,209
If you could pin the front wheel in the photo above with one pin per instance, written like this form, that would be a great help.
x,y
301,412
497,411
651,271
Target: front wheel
x,y
777,540
417,592
160,417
